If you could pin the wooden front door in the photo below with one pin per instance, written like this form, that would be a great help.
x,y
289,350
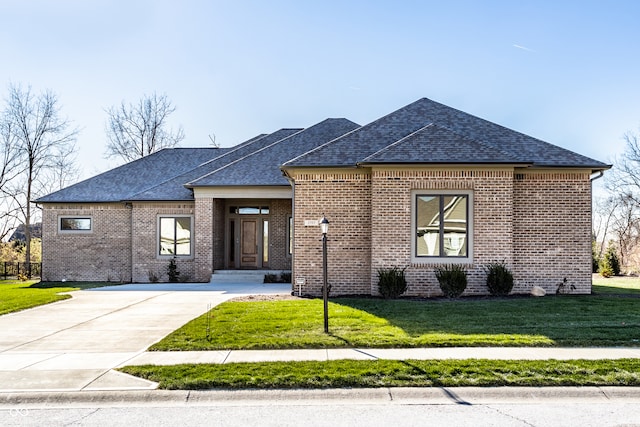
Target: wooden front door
x,y
249,247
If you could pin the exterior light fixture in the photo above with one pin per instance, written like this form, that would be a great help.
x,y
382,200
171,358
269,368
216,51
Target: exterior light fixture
x,y
324,229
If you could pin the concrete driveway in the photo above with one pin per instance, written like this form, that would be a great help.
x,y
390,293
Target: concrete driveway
x,y
75,344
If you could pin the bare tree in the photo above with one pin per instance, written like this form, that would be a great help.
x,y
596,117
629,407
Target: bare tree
x,y
621,213
40,134
11,166
626,228
62,171
137,130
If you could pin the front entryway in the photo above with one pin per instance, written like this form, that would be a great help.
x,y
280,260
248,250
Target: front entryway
x,y
248,237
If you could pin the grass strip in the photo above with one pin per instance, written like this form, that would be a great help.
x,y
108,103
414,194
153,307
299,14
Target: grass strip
x,y
574,321
391,373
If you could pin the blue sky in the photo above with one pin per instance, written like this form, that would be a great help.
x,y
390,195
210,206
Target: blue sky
x,y
566,72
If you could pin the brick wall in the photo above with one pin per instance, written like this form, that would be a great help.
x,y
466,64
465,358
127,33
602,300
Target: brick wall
x,y
145,241
538,223
104,254
393,191
552,230
279,213
203,230
345,199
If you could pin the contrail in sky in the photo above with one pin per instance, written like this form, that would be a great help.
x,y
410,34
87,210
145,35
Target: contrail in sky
x,y
517,46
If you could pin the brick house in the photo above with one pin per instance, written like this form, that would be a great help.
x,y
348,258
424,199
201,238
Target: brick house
x,y
423,186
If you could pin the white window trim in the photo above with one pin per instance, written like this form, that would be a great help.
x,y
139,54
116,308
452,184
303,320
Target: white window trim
x,y
191,243
62,231
442,260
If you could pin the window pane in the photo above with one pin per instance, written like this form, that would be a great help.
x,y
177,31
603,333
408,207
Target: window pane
x,y
265,242
167,236
75,224
442,225
249,210
183,236
428,226
455,225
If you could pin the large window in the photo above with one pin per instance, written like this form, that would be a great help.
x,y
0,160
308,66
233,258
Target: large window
x,y
75,224
175,235
441,225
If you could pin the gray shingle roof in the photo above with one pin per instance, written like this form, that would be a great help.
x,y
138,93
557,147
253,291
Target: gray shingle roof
x,y
433,144
422,132
262,167
120,183
174,189
508,145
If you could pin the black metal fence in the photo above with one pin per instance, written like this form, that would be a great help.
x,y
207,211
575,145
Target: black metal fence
x,y
14,269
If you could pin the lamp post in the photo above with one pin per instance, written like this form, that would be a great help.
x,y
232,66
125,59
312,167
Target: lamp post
x,y
324,229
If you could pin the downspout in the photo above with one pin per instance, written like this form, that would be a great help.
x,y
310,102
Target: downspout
x,y
599,175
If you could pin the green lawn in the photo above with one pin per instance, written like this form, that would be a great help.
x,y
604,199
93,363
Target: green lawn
x,y
580,321
16,295
390,373
621,285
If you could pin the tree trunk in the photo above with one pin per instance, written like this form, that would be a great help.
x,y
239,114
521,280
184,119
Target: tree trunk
x,y
27,222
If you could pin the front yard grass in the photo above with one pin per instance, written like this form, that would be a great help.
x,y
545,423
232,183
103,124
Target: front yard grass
x,y
391,373
609,317
16,295
578,321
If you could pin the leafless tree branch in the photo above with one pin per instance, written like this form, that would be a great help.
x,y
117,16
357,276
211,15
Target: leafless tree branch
x,y
137,130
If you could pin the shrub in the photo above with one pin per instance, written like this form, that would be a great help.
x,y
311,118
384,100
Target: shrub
x,y
153,277
499,278
610,264
452,279
391,282
270,278
172,271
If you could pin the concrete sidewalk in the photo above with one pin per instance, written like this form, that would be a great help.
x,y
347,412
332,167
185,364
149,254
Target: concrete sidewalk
x,y
492,353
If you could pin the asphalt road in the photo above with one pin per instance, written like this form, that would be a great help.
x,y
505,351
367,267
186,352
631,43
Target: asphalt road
x,y
464,406
335,414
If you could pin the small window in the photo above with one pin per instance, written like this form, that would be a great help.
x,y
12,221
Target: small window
x,y
75,224
441,226
175,236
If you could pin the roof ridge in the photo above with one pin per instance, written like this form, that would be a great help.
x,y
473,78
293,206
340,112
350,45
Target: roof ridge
x,y
244,157
237,147
398,142
322,145
368,125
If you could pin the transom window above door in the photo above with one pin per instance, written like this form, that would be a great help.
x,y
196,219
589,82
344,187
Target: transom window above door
x,y
249,210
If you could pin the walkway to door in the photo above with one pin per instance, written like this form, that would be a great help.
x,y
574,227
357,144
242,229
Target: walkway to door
x,y
76,343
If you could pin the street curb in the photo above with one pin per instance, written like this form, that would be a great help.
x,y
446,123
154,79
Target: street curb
x,y
399,396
